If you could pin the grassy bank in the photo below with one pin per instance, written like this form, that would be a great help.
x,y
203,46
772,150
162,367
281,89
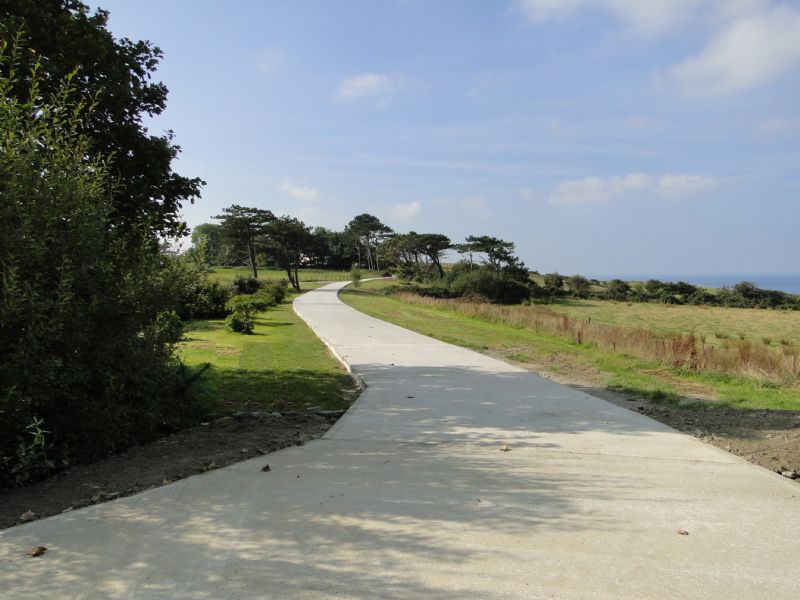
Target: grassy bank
x,y
281,366
558,353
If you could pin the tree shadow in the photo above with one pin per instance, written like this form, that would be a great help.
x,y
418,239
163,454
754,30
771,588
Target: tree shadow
x,y
410,496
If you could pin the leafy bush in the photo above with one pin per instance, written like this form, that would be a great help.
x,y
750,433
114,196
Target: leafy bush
x,y
245,285
496,287
203,299
87,332
243,308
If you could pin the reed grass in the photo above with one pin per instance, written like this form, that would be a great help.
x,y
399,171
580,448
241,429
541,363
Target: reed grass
x,y
684,351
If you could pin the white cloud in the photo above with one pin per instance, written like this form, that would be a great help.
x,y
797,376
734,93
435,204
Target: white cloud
x,y
594,190
645,17
775,128
366,84
750,52
299,192
405,211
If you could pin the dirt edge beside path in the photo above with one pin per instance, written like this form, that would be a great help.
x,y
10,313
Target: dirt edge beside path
x,y
188,452
768,438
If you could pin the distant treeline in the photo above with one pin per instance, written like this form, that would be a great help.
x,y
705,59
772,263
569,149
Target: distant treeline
x,y
488,268
741,295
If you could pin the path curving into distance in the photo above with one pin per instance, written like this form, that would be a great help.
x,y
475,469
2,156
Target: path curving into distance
x,y
410,496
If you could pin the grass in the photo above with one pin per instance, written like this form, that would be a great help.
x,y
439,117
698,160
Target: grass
x,y
714,323
283,366
615,370
227,274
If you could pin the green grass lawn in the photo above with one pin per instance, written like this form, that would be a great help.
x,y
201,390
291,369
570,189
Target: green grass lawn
x,y
282,366
615,371
226,274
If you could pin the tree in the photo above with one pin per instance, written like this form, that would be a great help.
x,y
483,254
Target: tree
x,y
117,74
497,254
367,231
433,246
207,242
288,240
87,336
242,227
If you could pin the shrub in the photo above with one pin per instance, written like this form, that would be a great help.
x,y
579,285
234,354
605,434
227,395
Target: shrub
x,y
203,299
87,332
496,287
245,285
579,286
243,308
355,275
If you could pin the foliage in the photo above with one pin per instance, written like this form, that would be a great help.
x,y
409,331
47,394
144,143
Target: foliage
x,y
495,253
245,285
117,73
288,240
244,308
366,232
553,282
203,299
355,275
241,227
579,286
87,333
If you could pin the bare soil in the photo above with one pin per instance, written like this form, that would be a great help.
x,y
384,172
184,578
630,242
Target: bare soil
x,y
769,438
203,448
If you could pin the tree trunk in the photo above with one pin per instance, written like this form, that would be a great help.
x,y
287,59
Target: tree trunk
x,y
251,249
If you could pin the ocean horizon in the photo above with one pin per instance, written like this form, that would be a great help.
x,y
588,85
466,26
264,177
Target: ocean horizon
x,y
782,282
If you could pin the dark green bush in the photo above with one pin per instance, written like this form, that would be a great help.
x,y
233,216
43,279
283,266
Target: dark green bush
x,y
245,285
496,287
87,332
203,299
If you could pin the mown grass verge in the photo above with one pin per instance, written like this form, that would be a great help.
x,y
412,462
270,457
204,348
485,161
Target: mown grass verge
x,y
282,366
227,274
616,370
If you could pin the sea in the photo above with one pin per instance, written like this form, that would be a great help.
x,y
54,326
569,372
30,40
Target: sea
x,y
785,283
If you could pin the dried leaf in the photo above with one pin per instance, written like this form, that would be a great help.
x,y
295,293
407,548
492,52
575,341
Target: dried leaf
x,y
682,532
266,469
37,551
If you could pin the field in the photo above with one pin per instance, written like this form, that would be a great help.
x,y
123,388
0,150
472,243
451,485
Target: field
x,y
556,354
717,324
281,366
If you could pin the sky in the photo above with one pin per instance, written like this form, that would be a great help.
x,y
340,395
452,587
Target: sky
x,y
614,137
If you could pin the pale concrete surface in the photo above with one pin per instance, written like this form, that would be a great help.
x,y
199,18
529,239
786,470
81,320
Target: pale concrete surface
x,y
408,496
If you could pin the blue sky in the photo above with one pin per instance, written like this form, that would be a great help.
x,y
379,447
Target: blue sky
x,y
602,136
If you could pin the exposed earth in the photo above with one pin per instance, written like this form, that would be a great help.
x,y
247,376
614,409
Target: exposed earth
x,y
768,438
195,450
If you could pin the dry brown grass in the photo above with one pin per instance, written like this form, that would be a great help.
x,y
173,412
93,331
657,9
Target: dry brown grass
x,y
680,350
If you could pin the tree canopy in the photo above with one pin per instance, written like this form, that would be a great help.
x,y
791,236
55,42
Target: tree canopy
x,y
62,37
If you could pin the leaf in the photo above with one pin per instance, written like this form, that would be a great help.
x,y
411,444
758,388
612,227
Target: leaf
x,y
266,469
37,551
682,532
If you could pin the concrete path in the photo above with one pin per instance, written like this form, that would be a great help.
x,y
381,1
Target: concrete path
x,y
409,496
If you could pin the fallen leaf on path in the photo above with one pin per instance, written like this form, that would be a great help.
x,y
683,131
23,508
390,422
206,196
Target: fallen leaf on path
x,y
37,551
682,532
266,469
504,448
